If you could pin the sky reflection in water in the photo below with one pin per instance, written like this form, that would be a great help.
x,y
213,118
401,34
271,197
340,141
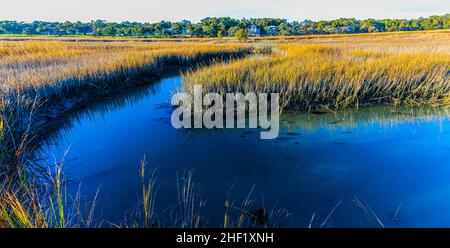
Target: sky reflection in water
x,y
384,156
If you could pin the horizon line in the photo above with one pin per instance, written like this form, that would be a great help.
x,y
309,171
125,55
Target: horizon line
x,y
236,18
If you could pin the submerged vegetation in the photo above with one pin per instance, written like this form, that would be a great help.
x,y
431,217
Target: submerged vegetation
x,y
341,71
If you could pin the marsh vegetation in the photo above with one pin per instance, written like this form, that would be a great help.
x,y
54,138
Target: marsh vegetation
x,y
341,71
42,78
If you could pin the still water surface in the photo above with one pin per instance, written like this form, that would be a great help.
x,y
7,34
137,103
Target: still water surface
x,y
396,161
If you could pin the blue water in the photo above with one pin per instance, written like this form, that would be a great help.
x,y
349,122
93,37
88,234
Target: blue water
x,y
395,161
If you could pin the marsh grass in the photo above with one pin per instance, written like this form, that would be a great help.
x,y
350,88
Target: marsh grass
x,y
187,212
329,74
250,213
33,204
56,67
40,74
149,192
17,138
190,202
40,79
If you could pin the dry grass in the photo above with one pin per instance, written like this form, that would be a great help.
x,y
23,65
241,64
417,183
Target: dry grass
x,y
57,66
45,72
32,205
331,71
38,73
340,71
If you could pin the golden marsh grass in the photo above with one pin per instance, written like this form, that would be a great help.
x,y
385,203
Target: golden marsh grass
x,y
340,71
331,71
58,65
36,74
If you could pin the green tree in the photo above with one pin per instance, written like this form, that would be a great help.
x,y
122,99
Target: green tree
x,y
284,29
242,34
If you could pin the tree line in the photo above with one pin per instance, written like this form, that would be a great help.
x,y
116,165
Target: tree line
x,y
224,26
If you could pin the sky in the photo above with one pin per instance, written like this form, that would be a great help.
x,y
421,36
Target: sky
x,y
194,10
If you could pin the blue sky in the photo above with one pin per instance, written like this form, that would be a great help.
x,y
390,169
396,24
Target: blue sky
x,y
194,10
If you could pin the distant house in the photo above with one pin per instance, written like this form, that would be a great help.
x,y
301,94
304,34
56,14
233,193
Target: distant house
x,y
169,30
346,29
254,30
184,31
272,30
148,33
49,32
89,31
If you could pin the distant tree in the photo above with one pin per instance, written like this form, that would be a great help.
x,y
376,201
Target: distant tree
x,y
28,30
224,26
196,30
370,26
284,29
232,31
242,34
210,26
109,30
446,21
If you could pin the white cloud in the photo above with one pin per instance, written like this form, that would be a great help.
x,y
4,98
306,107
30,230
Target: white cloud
x,y
156,10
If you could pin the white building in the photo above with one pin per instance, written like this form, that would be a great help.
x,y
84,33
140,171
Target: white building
x,y
272,30
254,30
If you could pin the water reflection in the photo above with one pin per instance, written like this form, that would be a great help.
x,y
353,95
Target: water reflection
x,y
385,156
387,116
53,130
